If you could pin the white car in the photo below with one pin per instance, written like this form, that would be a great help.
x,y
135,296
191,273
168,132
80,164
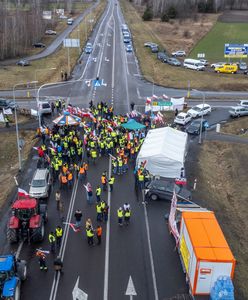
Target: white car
x,y
182,118
178,53
199,110
218,64
50,32
204,61
243,103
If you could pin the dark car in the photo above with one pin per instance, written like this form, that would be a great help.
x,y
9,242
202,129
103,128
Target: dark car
x,y
154,49
39,45
23,63
163,189
7,104
195,126
162,56
173,61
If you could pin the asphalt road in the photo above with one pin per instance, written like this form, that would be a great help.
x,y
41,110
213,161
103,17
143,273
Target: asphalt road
x,y
143,250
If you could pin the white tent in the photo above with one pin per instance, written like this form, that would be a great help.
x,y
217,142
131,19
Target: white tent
x,y
164,150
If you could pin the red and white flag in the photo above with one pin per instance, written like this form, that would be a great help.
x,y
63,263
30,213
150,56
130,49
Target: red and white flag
x,y
165,96
22,193
172,218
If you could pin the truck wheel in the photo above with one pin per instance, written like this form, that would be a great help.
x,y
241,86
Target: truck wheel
x,y
43,212
22,269
12,236
154,197
38,233
17,292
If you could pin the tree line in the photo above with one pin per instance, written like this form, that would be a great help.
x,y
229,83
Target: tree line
x,y
21,24
184,8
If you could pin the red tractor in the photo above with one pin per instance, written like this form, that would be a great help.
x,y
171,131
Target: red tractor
x,y
27,221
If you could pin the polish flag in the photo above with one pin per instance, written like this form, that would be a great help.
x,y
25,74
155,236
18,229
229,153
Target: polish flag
x,y
154,97
22,193
165,96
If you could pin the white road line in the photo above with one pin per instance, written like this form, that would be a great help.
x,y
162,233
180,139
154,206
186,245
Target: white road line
x,y
106,267
113,60
19,249
150,251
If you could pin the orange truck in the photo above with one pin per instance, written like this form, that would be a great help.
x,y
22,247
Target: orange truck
x,y
204,252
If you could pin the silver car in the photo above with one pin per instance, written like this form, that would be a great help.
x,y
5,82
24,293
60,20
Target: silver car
x,y
40,185
238,111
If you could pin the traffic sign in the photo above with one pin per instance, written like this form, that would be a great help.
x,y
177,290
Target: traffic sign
x,y
206,124
97,82
161,103
201,55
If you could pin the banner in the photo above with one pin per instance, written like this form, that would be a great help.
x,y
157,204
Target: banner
x,y
172,218
1,118
178,103
7,111
22,193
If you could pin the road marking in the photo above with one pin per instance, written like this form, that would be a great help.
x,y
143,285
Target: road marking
x,y
19,249
113,65
150,250
77,293
130,291
106,59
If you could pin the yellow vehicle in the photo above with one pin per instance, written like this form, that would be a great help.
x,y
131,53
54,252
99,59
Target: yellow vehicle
x,y
227,68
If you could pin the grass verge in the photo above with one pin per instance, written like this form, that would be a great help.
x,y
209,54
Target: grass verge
x,y
235,126
13,74
164,74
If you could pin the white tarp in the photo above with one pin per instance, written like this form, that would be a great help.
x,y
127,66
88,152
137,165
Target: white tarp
x,y
164,151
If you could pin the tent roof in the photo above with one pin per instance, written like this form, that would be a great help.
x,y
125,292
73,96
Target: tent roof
x,y
164,142
133,125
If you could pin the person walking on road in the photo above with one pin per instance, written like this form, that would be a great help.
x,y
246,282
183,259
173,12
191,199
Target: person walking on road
x,y
111,183
58,266
78,217
59,235
90,236
61,211
104,181
98,193
52,241
99,212
127,215
42,260
99,234
89,193
57,198
105,213
120,216
88,224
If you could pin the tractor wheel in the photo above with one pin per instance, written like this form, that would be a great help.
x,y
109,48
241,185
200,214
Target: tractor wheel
x,y
12,236
17,295
38,233
22,269
154,197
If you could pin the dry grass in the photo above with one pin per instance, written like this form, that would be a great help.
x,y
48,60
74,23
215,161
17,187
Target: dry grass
x,y
9,159
170,37
235,126
225,192
13,74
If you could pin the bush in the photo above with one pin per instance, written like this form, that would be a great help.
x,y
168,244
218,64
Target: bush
x,y
172,12
165,18
186,34
148,14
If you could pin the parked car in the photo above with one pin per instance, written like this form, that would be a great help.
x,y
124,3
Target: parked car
x,y
195,126
204,61
63,17
129,48
70,21
150,44
173,61
199,110
50,32
193,64
162,56
242,66
23,63
218,64
126,40
154,49
238,111
45,108
227,69
178,53
182,118
243,103
7,104
40,184
39,45
163,189
88,48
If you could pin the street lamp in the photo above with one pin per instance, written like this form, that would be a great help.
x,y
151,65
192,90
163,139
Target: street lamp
x,y
203,102
35,75
16,123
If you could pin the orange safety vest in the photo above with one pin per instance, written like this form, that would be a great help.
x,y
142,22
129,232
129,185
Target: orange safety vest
x,y
63,179
99,231
64,169
69,176
81,170
103,179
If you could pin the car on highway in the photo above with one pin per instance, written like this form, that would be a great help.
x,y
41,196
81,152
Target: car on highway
x,y
45,108
129,48
227,69
162,56
195,126
199,110
88,48
238,111
182,118
39,45
178,53
218,64
162,189
150,44
23,63
173,62
126,40
40,184
7,104
50,32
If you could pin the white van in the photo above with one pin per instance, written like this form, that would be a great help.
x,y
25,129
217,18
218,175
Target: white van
x,y
69,21
243,103
193,64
